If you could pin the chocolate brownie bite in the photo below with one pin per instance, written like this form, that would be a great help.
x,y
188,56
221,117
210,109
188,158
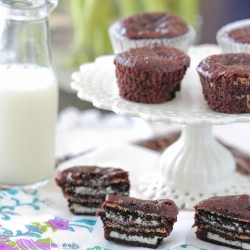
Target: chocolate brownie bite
x,y
150,28
150,74
85,187
225,80
235,37
224,220
137,222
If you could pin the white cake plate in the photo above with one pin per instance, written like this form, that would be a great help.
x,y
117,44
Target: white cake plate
x,y
196,166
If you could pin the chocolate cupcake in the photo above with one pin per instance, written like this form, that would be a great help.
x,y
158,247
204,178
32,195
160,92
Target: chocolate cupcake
x,y
225,80
235,37
150,74
148,29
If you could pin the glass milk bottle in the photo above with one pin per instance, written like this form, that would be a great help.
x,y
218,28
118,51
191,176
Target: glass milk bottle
x,y
28,94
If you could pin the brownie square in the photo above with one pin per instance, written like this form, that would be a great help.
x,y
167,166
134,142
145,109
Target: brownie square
x,y
224,220
137,222
85,187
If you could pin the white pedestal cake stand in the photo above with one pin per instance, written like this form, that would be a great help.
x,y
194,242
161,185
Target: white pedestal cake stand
x,y
196,166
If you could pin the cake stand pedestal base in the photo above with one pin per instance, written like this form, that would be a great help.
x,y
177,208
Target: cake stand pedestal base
x,y
194,168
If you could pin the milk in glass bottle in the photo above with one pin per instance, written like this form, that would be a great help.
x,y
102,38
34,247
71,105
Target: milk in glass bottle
x,y
28,94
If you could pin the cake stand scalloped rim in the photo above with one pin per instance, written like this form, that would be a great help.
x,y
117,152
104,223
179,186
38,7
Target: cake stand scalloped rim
x,y
178,117
95,82
155,188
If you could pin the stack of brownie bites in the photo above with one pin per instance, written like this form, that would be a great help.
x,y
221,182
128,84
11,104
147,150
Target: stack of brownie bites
x,y
224,220
85,187
137,222
93,190
150,63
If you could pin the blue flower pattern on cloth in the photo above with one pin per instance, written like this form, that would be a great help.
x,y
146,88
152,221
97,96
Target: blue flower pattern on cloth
x,y
16,233
29,220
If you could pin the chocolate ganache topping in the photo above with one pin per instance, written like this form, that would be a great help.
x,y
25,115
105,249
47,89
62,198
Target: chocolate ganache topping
x,y
152,25
225,65
166,208
88,172
156,57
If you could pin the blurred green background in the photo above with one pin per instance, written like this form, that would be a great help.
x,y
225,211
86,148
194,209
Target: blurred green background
x,y
90,20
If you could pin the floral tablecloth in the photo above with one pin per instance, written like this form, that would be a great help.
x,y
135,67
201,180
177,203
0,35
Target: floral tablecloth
x,y
41,220
35,218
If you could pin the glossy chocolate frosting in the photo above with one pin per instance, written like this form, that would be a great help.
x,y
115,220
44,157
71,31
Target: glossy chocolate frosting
x,y
152,25
225,65
165,208
88,172
237,206
155,57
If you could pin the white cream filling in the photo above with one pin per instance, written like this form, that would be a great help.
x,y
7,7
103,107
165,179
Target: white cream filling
x,y
69,176
214,223
91,191
248,101
139,221
80,209
216,237
151,241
